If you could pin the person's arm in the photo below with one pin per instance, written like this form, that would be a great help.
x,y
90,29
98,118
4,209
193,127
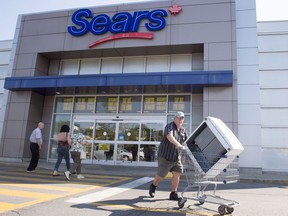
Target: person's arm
x,y
69,141
171,139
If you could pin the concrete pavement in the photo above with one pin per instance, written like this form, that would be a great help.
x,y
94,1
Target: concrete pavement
x,y
139,171
255,195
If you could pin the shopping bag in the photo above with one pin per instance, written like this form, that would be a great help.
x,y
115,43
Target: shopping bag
x,y
82,155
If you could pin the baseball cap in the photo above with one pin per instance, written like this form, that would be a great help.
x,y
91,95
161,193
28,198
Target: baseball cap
x,y
179,114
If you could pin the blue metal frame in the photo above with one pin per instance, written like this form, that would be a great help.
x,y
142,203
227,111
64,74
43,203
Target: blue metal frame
x,y
197,78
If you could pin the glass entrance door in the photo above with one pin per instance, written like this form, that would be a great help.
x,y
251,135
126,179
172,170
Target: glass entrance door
x,y
129,141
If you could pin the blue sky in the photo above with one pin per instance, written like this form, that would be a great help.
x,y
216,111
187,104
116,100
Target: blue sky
x,y
267,10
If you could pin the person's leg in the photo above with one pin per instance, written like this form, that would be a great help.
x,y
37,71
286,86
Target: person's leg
x,y
66,155
157,180
74,166
34,148
59,158
175,181
163,169
78,162
176,170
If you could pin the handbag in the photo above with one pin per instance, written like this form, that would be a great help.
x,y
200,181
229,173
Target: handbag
x,y
82,154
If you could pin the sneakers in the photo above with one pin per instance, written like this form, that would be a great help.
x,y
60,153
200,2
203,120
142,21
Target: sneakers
x,y
174,196
152,190
79,176
67,175
30,171
55,173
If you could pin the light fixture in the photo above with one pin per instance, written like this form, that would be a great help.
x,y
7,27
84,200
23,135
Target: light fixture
x,y
57,92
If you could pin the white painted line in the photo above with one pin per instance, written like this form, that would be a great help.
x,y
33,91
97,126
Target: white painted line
x,y
100,195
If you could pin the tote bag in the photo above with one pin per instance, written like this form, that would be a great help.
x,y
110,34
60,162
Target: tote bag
x,y
82,154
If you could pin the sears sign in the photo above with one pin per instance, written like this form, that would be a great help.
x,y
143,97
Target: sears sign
x,y
121,25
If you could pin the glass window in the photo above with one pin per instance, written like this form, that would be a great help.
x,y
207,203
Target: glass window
x,y
58,121
179,103
128,132
90,66
86,127
134,65
154,104
103,151
69,67
106,104
63,105
131,89
157,64
128,152
111,65
53,149
151,132
105,131
149,152
130,104
84,105
181,63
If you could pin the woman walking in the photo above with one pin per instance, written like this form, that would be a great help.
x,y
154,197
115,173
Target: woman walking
x,y
64,144
78,140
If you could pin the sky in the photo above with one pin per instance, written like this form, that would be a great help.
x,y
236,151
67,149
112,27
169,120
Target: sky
x,y
267,10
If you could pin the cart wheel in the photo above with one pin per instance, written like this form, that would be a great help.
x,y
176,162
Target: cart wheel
x,y
181,202
221,210
229,210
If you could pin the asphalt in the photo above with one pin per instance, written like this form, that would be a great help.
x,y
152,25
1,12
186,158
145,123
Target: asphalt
x,y
140,171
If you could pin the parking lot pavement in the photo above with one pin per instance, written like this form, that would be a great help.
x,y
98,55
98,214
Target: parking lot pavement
x,y
263,197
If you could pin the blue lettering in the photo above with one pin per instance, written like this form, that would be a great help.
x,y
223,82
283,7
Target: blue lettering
x,y
157,21
137,18
120,23
83,23
100,24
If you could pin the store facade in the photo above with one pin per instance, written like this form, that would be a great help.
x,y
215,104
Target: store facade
x,y
120,72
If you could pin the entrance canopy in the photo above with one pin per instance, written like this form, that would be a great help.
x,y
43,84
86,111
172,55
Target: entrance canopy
x,y
47,85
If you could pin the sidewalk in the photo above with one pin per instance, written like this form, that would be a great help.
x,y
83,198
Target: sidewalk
x,y
140,171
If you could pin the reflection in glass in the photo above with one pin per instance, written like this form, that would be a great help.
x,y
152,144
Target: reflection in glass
x,y
58,121
179,103
105,131
129,152
86,127
84,105
103,151
106,104
130,104
151,131
53,149
128,132
63,105
150,152
87,147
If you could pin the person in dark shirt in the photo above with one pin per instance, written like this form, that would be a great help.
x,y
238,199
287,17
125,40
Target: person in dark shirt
x,y
169,155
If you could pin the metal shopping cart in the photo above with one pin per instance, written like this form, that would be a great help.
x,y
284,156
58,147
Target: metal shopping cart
x,y
211,158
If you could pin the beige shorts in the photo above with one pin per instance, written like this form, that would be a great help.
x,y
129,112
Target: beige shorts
x,y
165,166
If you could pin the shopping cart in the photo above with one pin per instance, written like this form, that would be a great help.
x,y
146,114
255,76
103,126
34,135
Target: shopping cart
x,y
206,184
211,158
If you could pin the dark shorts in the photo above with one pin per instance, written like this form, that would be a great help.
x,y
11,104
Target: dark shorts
x,y
165,166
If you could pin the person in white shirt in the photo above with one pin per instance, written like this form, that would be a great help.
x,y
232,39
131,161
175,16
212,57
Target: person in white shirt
x,y
36,142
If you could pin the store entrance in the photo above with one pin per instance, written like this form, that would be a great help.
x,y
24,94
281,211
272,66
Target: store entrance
x,y
130,140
